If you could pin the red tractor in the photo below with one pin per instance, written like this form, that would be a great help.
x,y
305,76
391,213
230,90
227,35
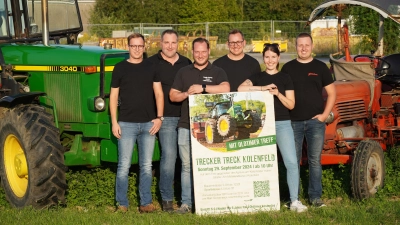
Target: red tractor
x,y
365,120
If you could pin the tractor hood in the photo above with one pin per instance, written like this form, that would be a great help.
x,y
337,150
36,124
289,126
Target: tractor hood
x,y
387,8
54,55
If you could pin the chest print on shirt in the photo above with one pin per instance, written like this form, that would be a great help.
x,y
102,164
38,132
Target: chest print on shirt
x,y
207,79
312,74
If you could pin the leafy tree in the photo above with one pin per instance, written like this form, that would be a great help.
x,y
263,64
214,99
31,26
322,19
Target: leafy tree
x,y
365,21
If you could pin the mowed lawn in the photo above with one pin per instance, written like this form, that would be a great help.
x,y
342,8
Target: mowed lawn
x,y
379,210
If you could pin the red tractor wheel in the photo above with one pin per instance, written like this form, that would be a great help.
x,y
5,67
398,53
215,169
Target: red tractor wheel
x,y
368,169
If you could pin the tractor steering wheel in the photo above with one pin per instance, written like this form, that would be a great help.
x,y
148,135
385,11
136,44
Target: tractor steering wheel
x,y
379,65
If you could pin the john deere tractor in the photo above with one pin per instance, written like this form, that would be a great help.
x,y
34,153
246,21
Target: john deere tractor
x,y
227,119
54,100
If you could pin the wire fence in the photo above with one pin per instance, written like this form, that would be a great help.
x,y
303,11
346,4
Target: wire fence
x,y
255,32
215,32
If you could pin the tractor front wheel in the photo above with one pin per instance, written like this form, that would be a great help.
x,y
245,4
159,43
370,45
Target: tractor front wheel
x,y
32,162
212,135
226,126
368,169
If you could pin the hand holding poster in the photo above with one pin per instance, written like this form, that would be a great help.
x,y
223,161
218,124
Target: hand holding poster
x,y
234,155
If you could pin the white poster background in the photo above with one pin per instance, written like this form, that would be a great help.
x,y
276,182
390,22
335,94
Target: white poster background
x,y
239,181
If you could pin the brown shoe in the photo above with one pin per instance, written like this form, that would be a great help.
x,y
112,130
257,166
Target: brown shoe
x,y
122,208
147,208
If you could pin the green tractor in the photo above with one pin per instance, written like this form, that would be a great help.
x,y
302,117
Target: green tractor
x,y
227,119
54,101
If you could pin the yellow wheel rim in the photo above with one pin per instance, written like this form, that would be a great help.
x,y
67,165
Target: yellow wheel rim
x,y
209,132
223,126
15,165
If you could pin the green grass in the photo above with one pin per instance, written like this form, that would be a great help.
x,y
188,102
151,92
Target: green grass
x,y
91,194
372,211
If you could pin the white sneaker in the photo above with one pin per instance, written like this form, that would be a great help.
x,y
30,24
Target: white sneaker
x,y
298,206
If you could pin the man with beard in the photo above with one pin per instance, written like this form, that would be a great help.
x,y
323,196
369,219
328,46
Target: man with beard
x,y
237,65
167,62
201,77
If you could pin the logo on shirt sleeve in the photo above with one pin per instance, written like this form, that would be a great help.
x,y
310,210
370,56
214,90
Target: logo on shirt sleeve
x,y
312,74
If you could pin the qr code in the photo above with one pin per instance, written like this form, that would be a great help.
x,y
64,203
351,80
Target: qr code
x,y
261,188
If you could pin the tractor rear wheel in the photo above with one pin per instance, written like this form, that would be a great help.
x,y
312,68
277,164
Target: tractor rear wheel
x,y
31,158
255,121
241,133
368,169
212,135
226,125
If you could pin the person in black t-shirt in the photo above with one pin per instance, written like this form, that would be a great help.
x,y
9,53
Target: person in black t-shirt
x,y
137,85
310,76
167,62
281,86
200,77
237,65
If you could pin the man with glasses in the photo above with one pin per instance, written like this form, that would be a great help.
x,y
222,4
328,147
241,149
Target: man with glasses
x,y
167,62
200,77
310,76
138,87
237,65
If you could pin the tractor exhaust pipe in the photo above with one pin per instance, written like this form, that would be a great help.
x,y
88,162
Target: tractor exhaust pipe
x,y
45,23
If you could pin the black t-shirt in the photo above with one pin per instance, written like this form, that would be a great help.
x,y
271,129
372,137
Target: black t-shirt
x,y
308,79
166,72
238,71
135,83
189,75
283,82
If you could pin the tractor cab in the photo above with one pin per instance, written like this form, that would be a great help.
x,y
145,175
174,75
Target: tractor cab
x,y
33,20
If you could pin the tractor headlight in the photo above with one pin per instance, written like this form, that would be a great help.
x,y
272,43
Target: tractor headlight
x,y
99,104
330,118
96,104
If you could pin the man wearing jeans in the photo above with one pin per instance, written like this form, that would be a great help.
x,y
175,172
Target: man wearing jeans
x,y
308,117
200,77
167,62
136,84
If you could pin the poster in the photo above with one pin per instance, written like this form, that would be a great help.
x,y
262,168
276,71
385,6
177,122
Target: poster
x,y
234,156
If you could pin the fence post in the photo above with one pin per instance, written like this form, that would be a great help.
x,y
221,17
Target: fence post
x,y
272,28
207,30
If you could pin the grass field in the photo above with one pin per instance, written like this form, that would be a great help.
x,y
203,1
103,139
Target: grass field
x,y
372,211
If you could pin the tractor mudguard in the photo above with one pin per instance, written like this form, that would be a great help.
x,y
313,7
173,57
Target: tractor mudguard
x,y
8,101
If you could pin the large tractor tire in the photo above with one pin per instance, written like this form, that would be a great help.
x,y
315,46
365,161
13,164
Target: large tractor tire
x,y
255,120
226,126
368,169
212,135
32,166
241,134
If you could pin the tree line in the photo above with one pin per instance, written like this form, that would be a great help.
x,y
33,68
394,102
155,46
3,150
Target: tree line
x,y
365,21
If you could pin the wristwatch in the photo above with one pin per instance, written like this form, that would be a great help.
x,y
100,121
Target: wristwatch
x,y
161,118
204,88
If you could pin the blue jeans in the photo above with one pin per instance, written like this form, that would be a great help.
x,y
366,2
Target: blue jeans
x,y
130,132
286,144
314,132
186,158
168,137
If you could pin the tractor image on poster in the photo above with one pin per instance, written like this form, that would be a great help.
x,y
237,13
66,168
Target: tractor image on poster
x,y
227,119
54,96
